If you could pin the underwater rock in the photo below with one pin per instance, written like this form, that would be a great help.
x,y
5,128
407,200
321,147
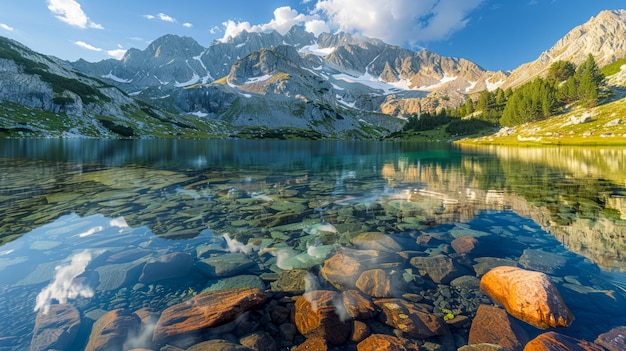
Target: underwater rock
x,y
375,241
555,341
382,342
218,345
292,281
321,313
492,325
236,282
112,330
406,317
225,265
358,305
465,245
441,268
342,271
176,264
379,283
259,341
205,310
56,328
314,343
527,295
614,339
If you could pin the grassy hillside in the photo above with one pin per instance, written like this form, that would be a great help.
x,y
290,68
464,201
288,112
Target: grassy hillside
x,y
602,125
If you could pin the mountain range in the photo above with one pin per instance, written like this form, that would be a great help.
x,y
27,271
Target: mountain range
x,y
330,86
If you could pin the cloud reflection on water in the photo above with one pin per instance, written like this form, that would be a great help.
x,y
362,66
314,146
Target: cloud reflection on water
x,y
64,287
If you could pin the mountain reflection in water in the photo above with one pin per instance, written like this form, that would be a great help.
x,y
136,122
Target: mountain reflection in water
x,y
80,218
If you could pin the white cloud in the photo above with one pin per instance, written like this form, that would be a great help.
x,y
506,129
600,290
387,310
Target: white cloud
x,y
162,17
70,12
84,45
187,25
165,18
6,27
117,54
284,18
398,21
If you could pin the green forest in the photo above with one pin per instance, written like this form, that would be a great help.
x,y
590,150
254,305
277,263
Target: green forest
x,y
564,85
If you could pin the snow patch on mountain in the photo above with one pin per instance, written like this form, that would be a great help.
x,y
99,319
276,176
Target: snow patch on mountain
x,y
443,81
315,50
258,79
115,78
195,79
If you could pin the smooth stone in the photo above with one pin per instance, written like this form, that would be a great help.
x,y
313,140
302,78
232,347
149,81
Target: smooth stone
x,y
440,268
186,319
259,341
112,330
56,328
317,313
218,345
555,341
225,265
375,241
173,265
406,317
236,282
358,305
382,342
379,283
314,343
527,295
114,276
492,325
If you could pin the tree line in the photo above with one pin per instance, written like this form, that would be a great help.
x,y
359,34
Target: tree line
x,y
563,85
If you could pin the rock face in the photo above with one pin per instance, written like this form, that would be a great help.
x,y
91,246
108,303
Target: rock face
x,y
493,325
112,330
205,310
553,341
55,329
406,317
317,314
527,295
601,36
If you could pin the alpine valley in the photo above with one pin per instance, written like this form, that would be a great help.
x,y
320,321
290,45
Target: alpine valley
x,y
263,85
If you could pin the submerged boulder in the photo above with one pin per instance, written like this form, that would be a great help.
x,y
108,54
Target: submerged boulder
x,y
555,341
320,313
527,295
492,325
205,310
56,328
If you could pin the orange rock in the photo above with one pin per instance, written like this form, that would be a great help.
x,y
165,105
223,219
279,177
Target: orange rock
x,y
317,313
465,244
357,305
341,271
382,342
375,283
493,325
360,331
527,295
312,344
553,341
112,329
205,310
614,339
406,317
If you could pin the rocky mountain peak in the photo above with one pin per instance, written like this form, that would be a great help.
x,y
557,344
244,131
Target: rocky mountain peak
x,y
604,36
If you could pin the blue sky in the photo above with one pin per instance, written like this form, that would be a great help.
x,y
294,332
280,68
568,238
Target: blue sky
x,y
496,34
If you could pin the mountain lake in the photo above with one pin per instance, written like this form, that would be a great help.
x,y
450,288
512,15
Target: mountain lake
x,y
140,226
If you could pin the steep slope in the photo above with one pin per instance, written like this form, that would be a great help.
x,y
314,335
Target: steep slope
x,y
44,96
603,36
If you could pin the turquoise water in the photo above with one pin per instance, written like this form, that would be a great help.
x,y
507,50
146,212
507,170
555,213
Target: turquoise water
x,y
80,219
